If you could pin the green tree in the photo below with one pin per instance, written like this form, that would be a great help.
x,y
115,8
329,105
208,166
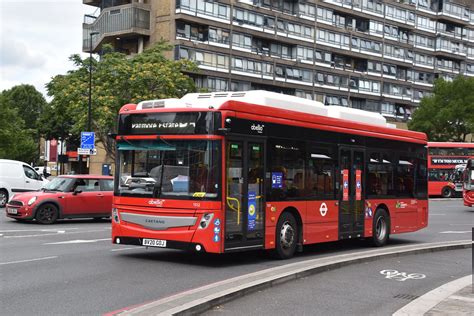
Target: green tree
x,y
117,80
448,114
28,101
22,107
17,140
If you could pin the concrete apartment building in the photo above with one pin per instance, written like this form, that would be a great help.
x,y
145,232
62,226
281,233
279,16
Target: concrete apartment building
x,y
376,55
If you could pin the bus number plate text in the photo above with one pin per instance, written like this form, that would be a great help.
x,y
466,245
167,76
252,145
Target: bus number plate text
x,y
154,243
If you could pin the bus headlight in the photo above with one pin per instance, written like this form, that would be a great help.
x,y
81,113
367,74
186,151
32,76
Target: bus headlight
x,y
115,215
205,220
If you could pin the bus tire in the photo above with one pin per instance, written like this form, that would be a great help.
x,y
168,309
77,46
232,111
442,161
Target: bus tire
x,y
47,214
380,228
286,236
447,192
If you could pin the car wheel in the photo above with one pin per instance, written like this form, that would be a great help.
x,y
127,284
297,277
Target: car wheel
x,y
47,214
447,192
286,236
3,198
380,228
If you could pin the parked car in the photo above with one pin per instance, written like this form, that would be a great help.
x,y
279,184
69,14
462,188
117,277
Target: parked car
x,y
17,176
46,172
67,196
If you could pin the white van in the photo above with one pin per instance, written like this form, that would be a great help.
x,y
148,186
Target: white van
x,y
16,177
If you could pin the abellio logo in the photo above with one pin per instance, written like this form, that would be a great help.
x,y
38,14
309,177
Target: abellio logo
x,y
258,128
158,203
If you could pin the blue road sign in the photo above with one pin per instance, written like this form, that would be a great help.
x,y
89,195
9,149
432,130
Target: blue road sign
x,y
87,140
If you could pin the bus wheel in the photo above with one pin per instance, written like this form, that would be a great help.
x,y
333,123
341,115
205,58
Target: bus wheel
x,y
380,228
47,214
286,236
447,192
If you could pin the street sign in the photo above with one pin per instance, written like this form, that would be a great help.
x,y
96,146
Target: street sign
x,y
85,151
87,140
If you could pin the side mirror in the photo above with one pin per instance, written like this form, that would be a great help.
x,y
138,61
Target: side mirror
x,y
76,192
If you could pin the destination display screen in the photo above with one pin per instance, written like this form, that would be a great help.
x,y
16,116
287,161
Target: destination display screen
x,y
167,123
448,160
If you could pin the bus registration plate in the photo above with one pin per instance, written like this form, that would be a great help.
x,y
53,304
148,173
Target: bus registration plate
x,y
154,243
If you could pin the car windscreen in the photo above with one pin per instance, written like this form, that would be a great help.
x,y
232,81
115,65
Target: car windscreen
x,y
178,169
59,184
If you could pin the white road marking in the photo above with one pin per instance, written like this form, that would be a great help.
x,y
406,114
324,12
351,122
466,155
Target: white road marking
x,y
77,241
456,232
401,276
122,249
28,260
33,230
55,234
437,214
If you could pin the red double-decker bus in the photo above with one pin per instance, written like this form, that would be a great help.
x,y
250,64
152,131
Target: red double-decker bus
x,y
445,166
224,172
468,183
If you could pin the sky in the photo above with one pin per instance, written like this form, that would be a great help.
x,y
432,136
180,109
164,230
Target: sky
x,y
36,39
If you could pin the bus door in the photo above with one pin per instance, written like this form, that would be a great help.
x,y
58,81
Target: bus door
x,y
244,199
352,191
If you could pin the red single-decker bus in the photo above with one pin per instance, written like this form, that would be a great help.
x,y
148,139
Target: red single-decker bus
x,y
446,162
225,172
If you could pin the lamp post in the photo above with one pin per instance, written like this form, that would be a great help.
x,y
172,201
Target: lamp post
x,y
89,115
90,81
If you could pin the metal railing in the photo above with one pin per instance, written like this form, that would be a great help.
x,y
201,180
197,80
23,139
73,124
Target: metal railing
x,y
132,18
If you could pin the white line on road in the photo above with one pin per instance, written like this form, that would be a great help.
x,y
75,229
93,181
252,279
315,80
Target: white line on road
x,y
437,214
34,230
122,249
77,241
456,232
28,260
39,235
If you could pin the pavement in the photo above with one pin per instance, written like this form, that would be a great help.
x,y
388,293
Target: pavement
x,y
453,298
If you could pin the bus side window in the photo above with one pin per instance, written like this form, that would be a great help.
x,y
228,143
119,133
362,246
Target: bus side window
x,y
405,176
380,174
321,174
286,164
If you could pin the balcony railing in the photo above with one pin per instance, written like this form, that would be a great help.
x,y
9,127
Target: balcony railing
x,y
129,19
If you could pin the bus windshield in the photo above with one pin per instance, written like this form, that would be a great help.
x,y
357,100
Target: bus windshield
x,y
177,169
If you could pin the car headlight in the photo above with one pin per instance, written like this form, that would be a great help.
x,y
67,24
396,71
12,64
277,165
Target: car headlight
x,y
32,200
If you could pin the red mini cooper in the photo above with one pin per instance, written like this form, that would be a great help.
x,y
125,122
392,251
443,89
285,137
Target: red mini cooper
x,y
70,196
